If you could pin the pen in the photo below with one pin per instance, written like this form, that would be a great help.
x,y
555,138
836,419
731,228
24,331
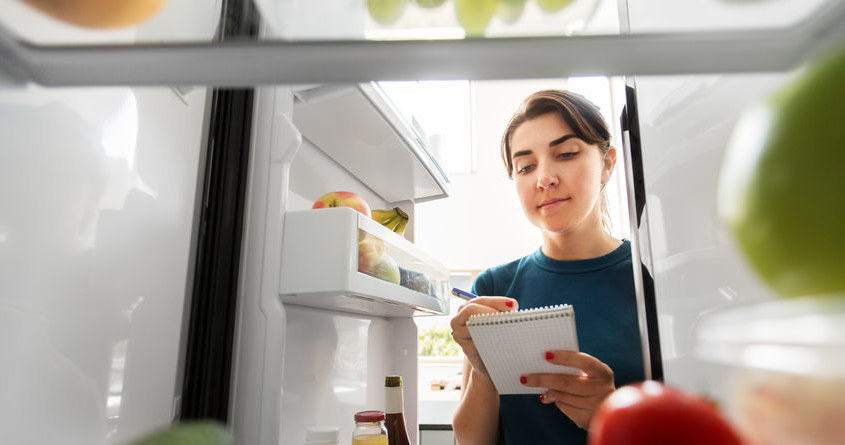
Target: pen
x,y
463,294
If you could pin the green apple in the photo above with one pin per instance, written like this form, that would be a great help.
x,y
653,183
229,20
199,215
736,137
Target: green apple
x,y
385,11
782,189
551,6
189,433
430,3
510,10
475,15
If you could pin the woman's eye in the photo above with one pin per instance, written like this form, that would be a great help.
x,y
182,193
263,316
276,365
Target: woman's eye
x,y
567,155
524,169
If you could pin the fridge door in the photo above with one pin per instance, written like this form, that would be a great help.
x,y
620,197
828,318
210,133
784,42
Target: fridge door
x,y
98,192
685,123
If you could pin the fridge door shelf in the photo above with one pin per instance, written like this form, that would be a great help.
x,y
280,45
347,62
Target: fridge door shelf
x,y
778,368
358,126
339,259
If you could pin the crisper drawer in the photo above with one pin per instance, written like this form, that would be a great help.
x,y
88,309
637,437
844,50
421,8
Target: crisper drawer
x,y
339,259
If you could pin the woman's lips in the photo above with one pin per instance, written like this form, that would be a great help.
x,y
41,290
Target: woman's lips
x,y
551,203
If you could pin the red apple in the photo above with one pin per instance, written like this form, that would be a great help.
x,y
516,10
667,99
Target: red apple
x,y
650,413
343,199
100,14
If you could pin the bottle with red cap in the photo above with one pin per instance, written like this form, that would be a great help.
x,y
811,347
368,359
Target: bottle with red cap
x,y
369,428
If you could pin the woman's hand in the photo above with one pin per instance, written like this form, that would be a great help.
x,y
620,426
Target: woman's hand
x,y
460,332
577,396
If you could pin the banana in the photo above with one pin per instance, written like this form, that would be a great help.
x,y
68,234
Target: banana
x,y
392,222
381,216
400,228
394,219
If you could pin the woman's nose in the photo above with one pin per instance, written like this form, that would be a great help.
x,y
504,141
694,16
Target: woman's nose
x,y
547,179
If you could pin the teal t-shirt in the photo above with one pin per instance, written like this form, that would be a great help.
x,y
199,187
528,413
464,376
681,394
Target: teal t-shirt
x,y
601,291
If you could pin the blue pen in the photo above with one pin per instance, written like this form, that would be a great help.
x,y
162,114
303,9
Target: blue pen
x,y
463,294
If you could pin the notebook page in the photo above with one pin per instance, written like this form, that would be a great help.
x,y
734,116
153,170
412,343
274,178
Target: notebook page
x,y
513,344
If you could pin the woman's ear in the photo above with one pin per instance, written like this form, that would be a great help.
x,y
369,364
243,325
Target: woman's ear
x,y
609,162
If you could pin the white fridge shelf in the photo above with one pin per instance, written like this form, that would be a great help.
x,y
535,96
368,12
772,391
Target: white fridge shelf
x,y
358,126
326,263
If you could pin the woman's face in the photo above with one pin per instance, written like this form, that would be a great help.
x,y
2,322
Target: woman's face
x,y
558,176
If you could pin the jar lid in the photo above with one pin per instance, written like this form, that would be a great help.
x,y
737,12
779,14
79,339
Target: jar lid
x,y
393,381
322,433
369,416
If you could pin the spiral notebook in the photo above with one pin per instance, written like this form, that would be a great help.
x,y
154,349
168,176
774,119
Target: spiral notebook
x,y
512,344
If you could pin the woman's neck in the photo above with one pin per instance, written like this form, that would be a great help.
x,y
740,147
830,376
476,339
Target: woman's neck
x,y
579,246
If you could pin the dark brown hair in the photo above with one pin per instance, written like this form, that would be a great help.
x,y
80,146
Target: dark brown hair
x,y
580,114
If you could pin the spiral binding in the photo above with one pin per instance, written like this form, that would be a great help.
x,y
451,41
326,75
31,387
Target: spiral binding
x,y
539,313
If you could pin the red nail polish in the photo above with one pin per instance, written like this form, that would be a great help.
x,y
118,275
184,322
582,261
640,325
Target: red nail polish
x,y
509,303
542,397
549,355
523,379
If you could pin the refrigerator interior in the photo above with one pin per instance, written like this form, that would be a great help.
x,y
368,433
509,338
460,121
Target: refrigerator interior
x,y
99,202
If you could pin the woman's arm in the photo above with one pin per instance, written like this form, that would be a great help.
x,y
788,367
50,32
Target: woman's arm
x,y
476,420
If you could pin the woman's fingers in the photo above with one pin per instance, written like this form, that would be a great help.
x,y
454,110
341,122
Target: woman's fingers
x,y
590,365
569,399
581,415
578,385
577,396
460,332
498,304
480,305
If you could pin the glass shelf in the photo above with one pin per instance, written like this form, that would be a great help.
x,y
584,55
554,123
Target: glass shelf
x,y
328,41
349,20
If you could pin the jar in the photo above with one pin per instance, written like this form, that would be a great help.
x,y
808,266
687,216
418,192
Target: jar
x,y
369,428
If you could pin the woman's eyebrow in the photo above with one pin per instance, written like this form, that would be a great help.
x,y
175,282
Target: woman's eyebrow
x,y
561,139
521,153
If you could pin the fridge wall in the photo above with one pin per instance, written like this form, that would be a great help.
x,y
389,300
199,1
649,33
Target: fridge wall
x,y
299,366
98,192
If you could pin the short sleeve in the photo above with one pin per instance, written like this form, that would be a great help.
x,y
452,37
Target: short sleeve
x,y
483,284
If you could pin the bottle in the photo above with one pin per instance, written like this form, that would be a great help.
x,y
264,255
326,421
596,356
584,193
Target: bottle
x,y
397,434
369,428
321,435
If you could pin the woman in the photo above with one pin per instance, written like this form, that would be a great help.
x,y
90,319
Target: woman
x,y
557,150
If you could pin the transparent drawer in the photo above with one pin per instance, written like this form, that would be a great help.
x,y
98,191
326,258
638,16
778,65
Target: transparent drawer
x,y
339,259
778,369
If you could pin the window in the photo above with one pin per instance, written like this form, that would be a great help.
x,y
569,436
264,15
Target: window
x,y
441,113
